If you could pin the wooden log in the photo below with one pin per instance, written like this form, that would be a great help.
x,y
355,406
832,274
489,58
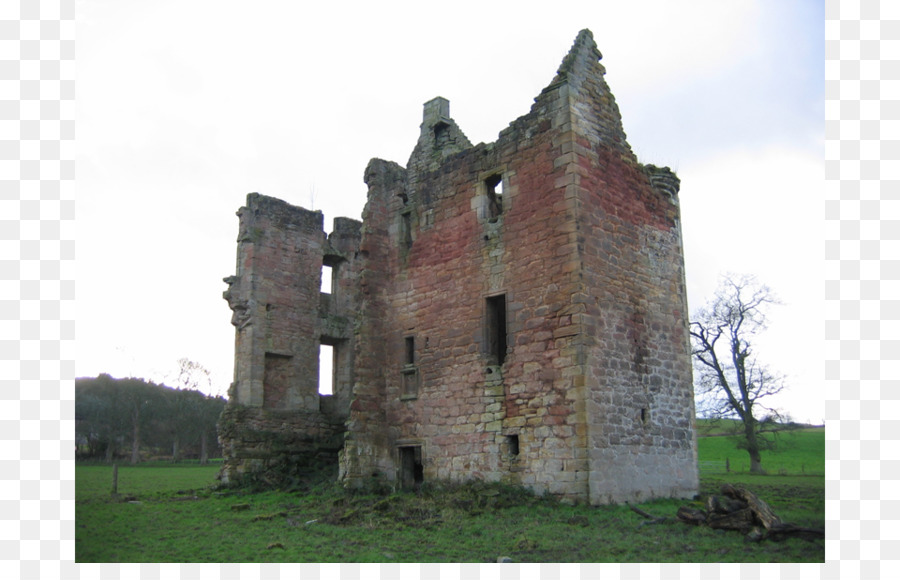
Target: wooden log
x,y
691,515
741,520
720,504
743,511
640,512
645,515
755,535
761,509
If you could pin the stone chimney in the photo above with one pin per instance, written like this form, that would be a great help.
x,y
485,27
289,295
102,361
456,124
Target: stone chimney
x,y
437,110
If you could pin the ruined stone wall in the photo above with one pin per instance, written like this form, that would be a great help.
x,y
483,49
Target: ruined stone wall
x,y
593,399
276,447
366,454
642,442
639,384
446,252
512,311
273,293
281,318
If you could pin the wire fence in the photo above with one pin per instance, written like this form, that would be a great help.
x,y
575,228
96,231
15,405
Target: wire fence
x,y
771,467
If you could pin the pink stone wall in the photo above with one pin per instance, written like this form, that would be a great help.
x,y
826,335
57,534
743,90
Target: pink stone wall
x,y
556,221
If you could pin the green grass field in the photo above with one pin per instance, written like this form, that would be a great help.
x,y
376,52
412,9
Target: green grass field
x,y
800,452
173,514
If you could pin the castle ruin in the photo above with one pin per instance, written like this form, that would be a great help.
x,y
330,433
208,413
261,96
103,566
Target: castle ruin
x,y
512,311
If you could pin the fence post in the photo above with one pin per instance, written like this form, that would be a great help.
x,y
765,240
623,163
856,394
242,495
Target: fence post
x,y
115,485
727,466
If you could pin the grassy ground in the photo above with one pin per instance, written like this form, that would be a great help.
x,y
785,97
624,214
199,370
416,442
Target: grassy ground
x,y
800,452
172,514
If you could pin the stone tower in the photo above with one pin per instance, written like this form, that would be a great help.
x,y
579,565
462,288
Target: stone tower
x,y
276,416
512,311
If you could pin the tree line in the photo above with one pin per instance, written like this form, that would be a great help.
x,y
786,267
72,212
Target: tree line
x,y
138,419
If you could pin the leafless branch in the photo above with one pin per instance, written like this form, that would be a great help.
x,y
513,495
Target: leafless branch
x,y
727,371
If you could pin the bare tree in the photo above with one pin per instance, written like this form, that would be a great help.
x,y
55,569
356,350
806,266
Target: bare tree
x,y
728,377
193,376
195,413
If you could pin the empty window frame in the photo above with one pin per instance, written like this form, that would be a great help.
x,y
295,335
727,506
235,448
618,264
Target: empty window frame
x,y
495,329
326,369
406,239
409,344
409,373
645,417
330,267
494,194
441,135
327,280
512,442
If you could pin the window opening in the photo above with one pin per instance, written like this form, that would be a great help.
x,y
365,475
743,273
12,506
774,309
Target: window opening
x,y
494,187
412,474
327,279
409,373
331,265
441,135
326,369
513,443
406,230
496,328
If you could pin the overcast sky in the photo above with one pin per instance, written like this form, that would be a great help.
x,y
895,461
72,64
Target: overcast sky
x,y
184,107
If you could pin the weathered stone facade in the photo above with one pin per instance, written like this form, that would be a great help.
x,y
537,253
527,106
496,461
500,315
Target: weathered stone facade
x,y
512,311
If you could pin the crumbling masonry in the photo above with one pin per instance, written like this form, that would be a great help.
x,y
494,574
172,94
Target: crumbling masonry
x,y
512,311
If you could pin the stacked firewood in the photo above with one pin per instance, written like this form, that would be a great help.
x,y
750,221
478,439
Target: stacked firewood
x,y
741,510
